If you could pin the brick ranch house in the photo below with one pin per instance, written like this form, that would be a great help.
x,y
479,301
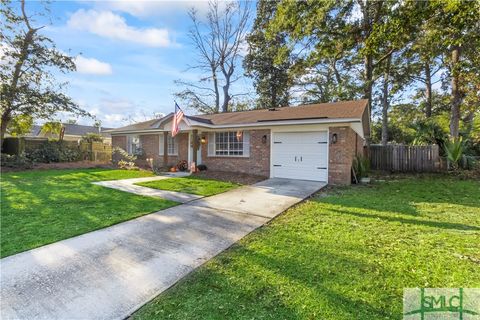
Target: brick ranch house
x,y
309,142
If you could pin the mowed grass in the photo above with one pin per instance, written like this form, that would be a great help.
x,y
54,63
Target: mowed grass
x,y
191,184
347,255
41,207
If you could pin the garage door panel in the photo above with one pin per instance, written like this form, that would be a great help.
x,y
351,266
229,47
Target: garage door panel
x,y
299,137
300,155
314,159
302,148
297,173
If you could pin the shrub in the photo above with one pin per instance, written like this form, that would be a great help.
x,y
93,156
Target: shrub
x,y
140,153
454,150
54,151
123,159
122,164
469,162
182,165
361,166
202,167
92,137
15,161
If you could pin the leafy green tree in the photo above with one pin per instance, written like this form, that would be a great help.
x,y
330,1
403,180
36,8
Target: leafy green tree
x,y
271,80
455,28
28,85
51,128
353,38
20,125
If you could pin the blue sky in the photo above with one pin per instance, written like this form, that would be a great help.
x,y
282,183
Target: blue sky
x,y
131,53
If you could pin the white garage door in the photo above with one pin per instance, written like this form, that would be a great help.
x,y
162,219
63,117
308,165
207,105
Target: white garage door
x,y
300,155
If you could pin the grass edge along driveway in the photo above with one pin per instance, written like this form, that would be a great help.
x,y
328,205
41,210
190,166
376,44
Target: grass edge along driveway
x,y
347,255
191,184
39,207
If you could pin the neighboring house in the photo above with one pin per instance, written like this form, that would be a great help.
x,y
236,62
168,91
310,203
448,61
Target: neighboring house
x,y
309,142
73,132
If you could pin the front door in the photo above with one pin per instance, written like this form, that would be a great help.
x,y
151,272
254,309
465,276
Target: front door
x,y
190,150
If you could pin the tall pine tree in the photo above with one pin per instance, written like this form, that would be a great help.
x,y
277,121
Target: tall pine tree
x,y
271,79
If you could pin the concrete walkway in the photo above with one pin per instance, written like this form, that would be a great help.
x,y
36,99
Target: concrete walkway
x,y
128,185
110,273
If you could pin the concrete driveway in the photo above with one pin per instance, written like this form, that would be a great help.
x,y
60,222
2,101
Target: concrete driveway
x,y
110,273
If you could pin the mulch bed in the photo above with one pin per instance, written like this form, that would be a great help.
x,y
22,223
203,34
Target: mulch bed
x,y
63,165
241,178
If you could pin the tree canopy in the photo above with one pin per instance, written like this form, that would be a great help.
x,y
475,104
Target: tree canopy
x,y
29,58
394,53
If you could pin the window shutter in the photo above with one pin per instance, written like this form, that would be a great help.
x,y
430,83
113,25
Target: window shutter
x,y
246,143
160,139
211,143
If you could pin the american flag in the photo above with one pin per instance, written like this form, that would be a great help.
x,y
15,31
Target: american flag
x,y
177,118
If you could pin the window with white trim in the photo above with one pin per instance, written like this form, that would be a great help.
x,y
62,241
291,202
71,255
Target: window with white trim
x,y
229,144
133,144
172,145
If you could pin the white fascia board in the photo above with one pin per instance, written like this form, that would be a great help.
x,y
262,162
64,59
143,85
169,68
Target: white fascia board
x,y
150,131
358,128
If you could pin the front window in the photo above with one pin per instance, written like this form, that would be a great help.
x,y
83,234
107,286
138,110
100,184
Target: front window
x,y
133,144
229,143
172,145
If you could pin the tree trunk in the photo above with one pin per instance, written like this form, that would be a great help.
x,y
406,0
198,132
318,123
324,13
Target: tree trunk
x,y
368,81
468,121
226,97
3,126
226,88
273,95
217,94
456,94
428,91
385,102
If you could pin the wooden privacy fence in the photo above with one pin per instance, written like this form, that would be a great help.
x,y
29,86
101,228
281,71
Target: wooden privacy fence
x,y
401,158
96,151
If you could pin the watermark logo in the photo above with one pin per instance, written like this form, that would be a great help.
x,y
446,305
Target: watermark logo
x,y
441,303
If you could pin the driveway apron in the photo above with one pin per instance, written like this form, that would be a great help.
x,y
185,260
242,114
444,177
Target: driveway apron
x,y
110,273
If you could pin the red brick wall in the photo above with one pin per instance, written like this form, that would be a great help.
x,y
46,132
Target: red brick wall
x,y
119,141
150,144
341,154
258,163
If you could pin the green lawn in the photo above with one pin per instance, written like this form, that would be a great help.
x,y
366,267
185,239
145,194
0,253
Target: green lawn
x,y
40,207
191,184
347,255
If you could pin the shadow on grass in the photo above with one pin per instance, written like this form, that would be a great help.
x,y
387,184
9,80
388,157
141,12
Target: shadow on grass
x,y
403,195
425,223
289,284
42,207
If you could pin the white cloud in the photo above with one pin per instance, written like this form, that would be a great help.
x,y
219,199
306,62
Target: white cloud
x,y
154,8
92,66
110,25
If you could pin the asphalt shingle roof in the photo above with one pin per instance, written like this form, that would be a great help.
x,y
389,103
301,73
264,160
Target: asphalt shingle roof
x,y
335,110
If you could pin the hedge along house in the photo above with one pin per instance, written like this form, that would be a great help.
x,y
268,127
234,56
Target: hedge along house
x,y
309,142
